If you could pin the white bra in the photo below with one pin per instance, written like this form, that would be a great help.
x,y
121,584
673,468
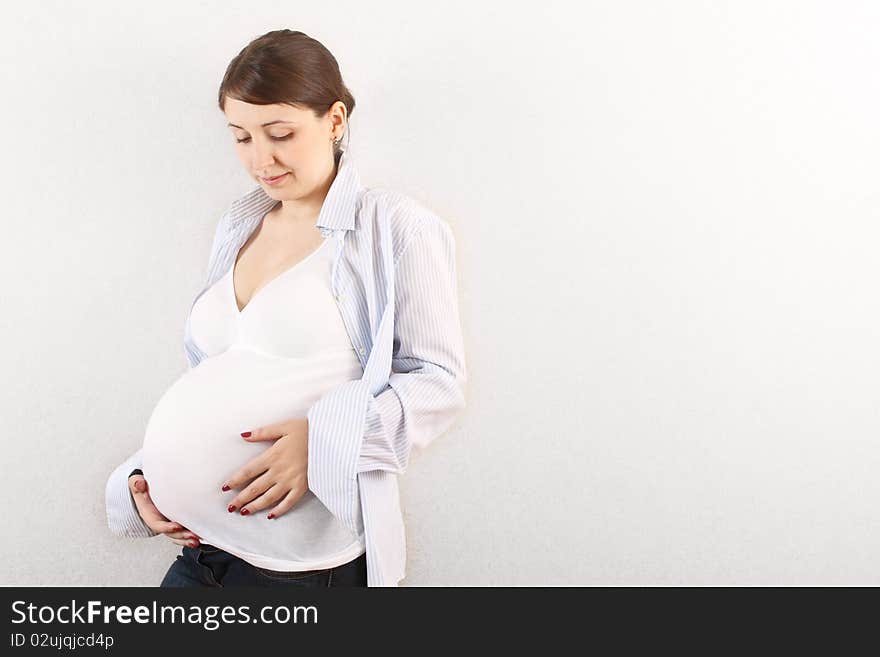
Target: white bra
x,y
294,315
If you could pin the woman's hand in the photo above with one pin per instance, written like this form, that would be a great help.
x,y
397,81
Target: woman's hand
x,y
281,471
155,520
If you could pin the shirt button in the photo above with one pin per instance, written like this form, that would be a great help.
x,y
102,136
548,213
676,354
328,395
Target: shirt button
x,y
340,297
362,350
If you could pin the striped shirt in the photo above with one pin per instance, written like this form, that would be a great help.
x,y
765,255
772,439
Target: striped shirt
x,y
394,280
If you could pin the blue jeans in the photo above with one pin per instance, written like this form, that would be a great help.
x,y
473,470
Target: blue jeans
x,y
210,566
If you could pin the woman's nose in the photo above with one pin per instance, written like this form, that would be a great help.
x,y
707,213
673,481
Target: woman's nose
x,y
264,157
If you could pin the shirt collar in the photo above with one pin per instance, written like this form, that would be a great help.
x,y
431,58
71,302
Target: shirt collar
x,y
337,212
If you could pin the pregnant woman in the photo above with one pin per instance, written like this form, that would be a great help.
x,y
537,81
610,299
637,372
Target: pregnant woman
x,y
323,347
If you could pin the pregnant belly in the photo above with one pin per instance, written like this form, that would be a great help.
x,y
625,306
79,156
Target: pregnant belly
x,y
193,444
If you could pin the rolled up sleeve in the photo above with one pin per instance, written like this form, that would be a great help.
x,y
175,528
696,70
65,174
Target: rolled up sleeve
x,y
350,429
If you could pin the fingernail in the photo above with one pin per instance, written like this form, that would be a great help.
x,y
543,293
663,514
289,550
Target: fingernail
x,y
225,487
230,508
192,543
244,512
246,434
270,516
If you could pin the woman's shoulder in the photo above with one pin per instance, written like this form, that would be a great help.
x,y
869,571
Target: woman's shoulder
x,y
403,215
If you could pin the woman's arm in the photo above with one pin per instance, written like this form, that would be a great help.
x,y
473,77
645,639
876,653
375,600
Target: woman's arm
x,y
350,429
426,388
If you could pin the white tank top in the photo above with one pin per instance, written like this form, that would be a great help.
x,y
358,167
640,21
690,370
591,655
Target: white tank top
x,y
266,363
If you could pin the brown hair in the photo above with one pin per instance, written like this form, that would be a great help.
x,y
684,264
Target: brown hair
x,y
288,67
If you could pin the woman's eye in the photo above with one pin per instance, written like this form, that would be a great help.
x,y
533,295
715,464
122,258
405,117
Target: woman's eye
x,y
247,139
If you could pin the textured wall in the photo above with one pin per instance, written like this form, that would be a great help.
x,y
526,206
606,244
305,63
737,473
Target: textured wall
x,y
665,216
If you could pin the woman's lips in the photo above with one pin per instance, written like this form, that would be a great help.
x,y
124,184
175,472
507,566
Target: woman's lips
x,y
275,180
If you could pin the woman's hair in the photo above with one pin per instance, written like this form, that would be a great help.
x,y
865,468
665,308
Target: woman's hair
x,y
286,66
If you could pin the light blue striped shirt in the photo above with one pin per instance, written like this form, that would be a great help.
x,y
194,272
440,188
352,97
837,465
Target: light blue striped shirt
x,y
394,280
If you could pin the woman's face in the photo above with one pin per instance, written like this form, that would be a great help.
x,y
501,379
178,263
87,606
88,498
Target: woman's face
x,y
274,140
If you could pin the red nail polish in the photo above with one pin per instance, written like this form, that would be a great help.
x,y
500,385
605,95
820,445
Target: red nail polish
x,y
246,434
230,508
270,516
225,487
244,512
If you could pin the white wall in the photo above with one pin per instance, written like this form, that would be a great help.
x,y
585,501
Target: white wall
x,y
665,215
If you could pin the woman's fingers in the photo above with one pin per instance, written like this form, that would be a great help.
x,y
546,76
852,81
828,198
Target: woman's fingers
x,y
140,492
250,494
154,519
270,497
183,538
148,511
285,505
